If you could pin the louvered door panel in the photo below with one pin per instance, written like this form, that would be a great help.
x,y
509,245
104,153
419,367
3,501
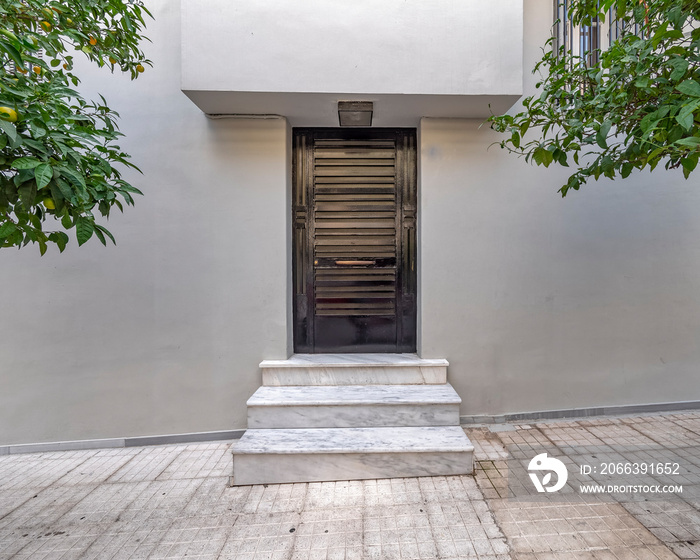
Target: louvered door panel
x,y
349,190
355,228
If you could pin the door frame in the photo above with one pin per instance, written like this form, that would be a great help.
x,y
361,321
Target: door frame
x,y
303,312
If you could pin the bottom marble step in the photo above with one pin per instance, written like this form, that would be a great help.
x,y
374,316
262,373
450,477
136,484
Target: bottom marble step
x,y
326,454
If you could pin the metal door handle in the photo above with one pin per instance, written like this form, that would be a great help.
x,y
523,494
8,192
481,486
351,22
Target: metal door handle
x,y
350,263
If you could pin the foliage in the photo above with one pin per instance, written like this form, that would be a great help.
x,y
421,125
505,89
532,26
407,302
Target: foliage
x,y
638,106
57,150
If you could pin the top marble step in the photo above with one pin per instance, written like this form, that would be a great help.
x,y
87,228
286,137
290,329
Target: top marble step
x,y
353,360
354,369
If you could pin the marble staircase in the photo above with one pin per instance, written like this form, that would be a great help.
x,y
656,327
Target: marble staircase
x,y
322,417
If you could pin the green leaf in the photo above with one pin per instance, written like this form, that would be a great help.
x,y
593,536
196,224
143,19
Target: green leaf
x,y
685,117
680,67
689,87
9,129
692,141
65,189
515,139
627,168
572,183
649,122
607,165
547,157
13,52
601,136
27,193
659,35
537,155
129,188
690,163
100,236
25,163
559,156
39,147
43,174
66,221
106,232
84,229
677,16
75,177
60,239
654,156
38,131
7,33
7,229
35,221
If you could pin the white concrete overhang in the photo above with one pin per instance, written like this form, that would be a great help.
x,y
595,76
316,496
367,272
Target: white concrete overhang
x,y
412,58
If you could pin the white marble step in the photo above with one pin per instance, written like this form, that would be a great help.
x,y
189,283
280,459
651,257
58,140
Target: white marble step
x,y
353,369
349,406
325,454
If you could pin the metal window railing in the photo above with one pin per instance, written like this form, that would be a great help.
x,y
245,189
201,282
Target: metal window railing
x,y
589,42
586,41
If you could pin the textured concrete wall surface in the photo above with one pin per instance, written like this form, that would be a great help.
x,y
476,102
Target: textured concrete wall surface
x,y
411,58
164,332
543,303
353,46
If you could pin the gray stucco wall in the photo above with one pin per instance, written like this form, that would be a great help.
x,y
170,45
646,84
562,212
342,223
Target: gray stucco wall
x,y
541,303
164,332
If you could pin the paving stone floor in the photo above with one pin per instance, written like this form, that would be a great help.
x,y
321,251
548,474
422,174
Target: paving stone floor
x,y
174,502
588,526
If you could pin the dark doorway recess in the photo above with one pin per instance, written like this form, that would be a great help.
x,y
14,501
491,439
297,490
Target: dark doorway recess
x,y
354,254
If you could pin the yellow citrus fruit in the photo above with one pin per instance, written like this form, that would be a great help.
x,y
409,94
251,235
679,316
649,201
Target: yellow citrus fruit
x,y
21,70
8,114
37,69
140,68
49,203
46,25
112,60
93,41
65,66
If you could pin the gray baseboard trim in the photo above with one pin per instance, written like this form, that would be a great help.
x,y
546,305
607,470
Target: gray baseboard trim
x,y
223,435
111,443
581,412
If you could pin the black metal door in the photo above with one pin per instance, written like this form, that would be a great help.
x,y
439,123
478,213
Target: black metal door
x,y
354,258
